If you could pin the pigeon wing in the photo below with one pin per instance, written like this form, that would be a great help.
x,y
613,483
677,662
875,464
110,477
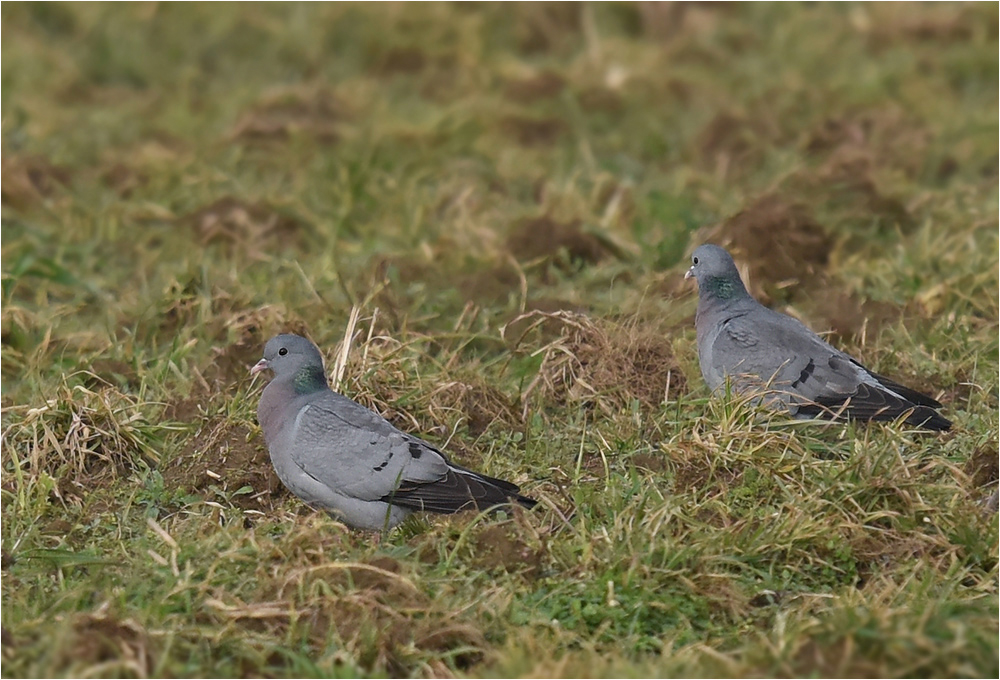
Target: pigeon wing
x,y
356,451
814,378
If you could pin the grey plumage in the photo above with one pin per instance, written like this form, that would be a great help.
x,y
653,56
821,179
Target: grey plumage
x,y
337,455
758,349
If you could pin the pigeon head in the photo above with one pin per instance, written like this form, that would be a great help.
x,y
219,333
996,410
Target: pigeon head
x,y
293,357
716,273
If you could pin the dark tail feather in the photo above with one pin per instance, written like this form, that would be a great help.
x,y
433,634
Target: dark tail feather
x,y
918,398
928,418
870,403
460,489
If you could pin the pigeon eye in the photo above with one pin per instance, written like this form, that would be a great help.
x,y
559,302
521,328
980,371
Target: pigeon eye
x,y
694,260
283,351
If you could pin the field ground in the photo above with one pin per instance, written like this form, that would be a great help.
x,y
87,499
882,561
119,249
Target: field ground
x,y
505,198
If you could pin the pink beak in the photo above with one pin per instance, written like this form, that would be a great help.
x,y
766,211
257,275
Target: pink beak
x,y
261,365
689,274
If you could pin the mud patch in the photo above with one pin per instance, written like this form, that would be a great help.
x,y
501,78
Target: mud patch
x,y
30,180
600,99
221,457
533,132
784,248
564,244
286,113
401,60
604,364
253,228
498,547
543,85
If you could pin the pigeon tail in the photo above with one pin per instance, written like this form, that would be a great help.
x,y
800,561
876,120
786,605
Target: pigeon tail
x,y
459,490
872,403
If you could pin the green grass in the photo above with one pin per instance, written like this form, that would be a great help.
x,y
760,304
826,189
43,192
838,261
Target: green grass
x,y
506,197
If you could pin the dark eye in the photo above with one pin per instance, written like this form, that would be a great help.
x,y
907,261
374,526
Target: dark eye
x,y
283,351
695,260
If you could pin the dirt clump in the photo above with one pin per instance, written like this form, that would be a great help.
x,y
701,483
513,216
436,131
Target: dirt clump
x,y
848,317
401,60
606,364
482,405
29,180
783,247
532,132
600,99
543,85
848,181
221,454
251,227
498,547
886,136
651,462
696,471
287,112
673,286
563,243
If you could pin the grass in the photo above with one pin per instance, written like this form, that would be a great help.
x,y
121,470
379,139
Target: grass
x,y
483,214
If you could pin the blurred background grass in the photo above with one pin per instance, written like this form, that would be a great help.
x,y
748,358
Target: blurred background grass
x,y
508,194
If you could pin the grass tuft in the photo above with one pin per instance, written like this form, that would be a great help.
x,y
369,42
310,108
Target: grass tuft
x,y
482,214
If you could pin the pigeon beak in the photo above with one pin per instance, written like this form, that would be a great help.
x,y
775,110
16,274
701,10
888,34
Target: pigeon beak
x,y
261,365
689,274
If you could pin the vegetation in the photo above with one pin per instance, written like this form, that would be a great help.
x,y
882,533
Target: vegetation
x,y
482,214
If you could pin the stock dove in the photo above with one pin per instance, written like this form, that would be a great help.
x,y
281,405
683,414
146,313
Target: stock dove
x,y
341,457
759,349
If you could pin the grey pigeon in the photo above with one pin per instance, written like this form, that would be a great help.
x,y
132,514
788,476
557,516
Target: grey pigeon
x,y
337,455
759,349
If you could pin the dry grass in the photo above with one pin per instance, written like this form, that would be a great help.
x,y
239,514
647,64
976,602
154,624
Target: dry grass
x,y
482,215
